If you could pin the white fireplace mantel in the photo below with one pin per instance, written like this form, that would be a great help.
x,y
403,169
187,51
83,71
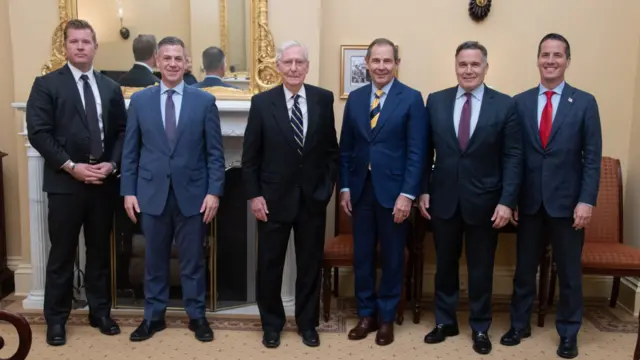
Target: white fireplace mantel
x,y
233,119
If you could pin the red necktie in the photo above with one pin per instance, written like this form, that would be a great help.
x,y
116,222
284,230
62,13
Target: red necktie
x,y
545,120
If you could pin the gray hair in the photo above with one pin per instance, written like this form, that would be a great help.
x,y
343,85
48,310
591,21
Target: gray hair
x,y
473,45
291,44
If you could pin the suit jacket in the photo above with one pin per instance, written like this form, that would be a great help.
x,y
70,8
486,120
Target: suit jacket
x,y
138,76
193,168
271,164
395,148
568,170
57,125
488,172
211,82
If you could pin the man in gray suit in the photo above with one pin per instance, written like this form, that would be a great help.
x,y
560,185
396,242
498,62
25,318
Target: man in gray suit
x,y
173,175
562,154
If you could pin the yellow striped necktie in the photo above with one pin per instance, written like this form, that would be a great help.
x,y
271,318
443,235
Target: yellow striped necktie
x,y
375,109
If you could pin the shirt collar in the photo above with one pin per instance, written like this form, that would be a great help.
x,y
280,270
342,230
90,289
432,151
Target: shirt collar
x,y
213,77
179,88
145,65
77,72
557,90
476,93
288,94
385,89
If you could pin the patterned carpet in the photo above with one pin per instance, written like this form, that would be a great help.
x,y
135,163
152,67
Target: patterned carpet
x,y
596,312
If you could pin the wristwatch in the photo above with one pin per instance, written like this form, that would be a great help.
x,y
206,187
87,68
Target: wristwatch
x,y
72,165
114,167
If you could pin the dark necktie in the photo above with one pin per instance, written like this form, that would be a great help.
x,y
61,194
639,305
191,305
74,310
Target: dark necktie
x,y
296,123
170,118
464,127
546,119
91,110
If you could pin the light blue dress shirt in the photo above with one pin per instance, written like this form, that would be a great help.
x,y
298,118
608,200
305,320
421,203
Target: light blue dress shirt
x,y
177,100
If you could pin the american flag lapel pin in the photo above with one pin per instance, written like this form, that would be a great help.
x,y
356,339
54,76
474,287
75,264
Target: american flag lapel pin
x,y
570,100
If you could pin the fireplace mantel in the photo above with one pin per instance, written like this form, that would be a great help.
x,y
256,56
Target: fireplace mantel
x,y
233,119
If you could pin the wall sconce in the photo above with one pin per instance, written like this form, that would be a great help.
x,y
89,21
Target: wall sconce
x,y
124,32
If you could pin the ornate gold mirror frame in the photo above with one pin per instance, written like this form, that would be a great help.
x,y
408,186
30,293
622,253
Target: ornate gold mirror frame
x,y
264,74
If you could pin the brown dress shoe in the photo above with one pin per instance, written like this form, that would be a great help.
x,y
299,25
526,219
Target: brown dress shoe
x,y
385,334
365,326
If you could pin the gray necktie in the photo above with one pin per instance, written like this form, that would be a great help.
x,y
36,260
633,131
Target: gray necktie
x,y
170,118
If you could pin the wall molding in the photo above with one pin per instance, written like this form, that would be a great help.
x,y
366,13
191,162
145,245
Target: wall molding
x,y
22,279
13,262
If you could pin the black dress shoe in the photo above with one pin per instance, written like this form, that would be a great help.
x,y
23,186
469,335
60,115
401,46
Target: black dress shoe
x,y
481,342
440,333
146,329
310,337
271,339
513,336
56,335
568,348
106,325
201,329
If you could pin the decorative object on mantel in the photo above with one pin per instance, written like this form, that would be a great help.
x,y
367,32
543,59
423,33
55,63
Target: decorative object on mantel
x,y
479,9
263,73
6,275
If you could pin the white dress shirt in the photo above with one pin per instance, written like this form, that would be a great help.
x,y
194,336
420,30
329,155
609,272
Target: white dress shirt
x,y
476,103
302,102
96,93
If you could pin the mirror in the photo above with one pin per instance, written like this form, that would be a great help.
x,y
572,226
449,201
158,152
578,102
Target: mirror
x,y
238,27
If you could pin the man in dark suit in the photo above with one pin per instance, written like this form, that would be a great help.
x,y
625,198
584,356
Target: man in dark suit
x,y
214,63
382,150
471,189
76,120
173,175
290,164
562,154
144,53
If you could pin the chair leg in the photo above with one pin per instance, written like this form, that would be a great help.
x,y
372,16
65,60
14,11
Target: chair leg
x,y
336,281
552,284
326,293
615,291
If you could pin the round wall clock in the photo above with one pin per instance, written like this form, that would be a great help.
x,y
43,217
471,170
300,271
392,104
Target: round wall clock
x,y
479,9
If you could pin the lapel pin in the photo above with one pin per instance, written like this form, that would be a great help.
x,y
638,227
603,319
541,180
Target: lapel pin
x,y
570,100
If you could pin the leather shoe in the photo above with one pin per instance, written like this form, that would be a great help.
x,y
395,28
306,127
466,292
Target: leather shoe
x,y
106,325
385,334
146,329
513,336
271,339
365,326
568,348
56,335
440,333
481,342
201,329
310,337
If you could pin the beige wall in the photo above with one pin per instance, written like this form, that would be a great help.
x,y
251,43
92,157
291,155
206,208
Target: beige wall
x,y
605,40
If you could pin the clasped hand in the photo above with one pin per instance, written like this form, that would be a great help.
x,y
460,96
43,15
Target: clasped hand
x,y
92,174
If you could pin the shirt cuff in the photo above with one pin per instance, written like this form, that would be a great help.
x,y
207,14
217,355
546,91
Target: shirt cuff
x,y
343,190
589,205
409,196
65,164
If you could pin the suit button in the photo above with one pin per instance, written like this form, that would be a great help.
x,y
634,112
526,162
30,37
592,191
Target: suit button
x,y
544,156
171,157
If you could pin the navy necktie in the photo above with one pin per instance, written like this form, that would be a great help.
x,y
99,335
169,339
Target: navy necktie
x,y
91,110
296,123
170,118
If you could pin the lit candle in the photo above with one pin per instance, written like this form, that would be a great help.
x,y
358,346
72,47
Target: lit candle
x,y
120,12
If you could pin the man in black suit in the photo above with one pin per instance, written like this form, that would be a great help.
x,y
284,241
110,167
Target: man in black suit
x,y
214,64
471,189
290,164
144,53
76,119
562,154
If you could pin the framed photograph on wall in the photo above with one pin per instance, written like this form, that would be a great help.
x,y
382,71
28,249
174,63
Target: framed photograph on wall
x,y
353,70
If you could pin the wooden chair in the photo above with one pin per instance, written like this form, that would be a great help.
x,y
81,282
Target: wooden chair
x,y
604,251
24,334
338,253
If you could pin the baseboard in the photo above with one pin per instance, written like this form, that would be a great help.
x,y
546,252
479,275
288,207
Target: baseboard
x,y
592,286
629,297
22,279
13,262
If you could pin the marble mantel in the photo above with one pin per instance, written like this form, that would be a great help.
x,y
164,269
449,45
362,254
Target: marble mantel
x,y
233,118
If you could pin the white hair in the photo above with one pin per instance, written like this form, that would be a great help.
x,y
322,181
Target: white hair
x,y
291,44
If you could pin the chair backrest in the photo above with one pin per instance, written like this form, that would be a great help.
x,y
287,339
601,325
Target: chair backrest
x,y
343,221
606,219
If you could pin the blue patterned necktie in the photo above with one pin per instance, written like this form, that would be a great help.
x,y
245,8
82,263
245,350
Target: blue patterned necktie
x,y
296,123
170,118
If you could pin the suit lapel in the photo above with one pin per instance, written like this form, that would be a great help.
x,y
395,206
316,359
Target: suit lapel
x,y
104,99
313,110
281,116
156,115
532,116
486,110
74,92
183,116
564,106
450,120
390,104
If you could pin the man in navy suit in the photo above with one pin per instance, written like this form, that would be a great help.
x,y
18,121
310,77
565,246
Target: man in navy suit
x,y
562,154
382,149
471,190
214,64
173,175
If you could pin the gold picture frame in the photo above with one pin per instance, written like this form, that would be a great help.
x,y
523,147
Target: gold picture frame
x,y
264,74
353,72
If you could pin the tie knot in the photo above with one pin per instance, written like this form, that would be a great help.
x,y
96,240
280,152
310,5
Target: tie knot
x,y
170,92
84,77
549,93
467,95
379,93
296,97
